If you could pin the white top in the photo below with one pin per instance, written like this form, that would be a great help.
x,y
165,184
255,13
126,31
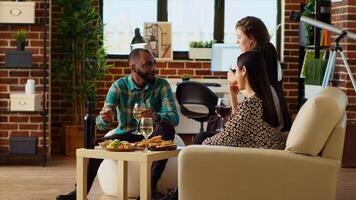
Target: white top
x,y
279,71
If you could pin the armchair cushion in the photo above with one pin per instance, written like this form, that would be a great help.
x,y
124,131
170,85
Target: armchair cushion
x,y
315,121
230,173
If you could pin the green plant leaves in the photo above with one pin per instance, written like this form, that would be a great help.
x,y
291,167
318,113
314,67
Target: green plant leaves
x,y
82,58
20,36
202,44
309,11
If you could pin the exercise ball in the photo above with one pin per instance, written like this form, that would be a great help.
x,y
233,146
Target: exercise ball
x,y
107,175
169,177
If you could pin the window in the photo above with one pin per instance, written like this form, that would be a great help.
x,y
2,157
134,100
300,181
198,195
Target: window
x,y
120,19
190,19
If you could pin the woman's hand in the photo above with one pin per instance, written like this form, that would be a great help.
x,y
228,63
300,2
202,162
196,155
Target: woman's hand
x,y
233,88
231,76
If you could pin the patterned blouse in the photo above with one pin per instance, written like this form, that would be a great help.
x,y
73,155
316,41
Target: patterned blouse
x,y
246,128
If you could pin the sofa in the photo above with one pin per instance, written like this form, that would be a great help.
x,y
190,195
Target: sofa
x,y
307,169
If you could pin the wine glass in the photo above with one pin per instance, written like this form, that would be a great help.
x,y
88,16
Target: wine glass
x,y
136,111
146,128
222,109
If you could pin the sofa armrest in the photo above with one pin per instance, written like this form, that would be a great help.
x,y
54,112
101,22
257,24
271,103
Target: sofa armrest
x,y
215,172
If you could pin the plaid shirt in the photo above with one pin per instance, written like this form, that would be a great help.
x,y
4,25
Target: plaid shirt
x,y
124,93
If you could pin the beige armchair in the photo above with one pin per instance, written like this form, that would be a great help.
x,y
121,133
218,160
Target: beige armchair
x,y
307,169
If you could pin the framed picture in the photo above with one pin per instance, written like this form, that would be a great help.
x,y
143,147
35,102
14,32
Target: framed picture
x,y
159,39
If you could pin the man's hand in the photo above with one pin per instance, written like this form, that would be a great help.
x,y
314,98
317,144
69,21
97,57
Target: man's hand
x,y
149,113
106,114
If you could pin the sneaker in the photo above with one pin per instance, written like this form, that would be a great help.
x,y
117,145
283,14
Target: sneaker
x,y
70,196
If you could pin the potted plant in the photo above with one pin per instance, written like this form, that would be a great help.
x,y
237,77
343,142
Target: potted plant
x,y
200,49
20,57
20,37
81,61
185,77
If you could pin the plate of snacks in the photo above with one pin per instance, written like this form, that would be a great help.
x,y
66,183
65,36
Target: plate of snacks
x,y
156,144
165,145
117,145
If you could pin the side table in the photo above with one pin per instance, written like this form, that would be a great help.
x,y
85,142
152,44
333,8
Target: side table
x,y
144,158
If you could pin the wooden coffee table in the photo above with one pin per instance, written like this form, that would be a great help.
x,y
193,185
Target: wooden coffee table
x,y
144,158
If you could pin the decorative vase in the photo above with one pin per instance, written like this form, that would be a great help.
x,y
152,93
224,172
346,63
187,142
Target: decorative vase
x,y
30,86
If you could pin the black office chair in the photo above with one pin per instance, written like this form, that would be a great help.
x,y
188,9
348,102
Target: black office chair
x,y
191,92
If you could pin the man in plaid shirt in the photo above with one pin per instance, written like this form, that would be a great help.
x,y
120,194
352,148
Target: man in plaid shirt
x,y
141,85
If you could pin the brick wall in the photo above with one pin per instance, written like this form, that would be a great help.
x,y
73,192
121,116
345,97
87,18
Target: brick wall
x,y
14,80
344,16
173,69
291,55
170,69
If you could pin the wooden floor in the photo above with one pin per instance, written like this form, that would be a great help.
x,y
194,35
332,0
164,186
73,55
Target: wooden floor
x,y
34,182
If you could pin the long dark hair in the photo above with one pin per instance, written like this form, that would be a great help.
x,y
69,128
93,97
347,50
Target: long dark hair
x,y
254,27
259,82
270,55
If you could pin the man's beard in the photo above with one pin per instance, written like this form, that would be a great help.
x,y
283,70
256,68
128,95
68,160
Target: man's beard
x,y
149,77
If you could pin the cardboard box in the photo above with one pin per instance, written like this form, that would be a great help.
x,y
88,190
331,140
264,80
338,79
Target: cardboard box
x,y
23,145
25,102
17,12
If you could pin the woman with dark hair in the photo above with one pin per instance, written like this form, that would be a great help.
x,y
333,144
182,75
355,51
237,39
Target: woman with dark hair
x,y
252,34
253,123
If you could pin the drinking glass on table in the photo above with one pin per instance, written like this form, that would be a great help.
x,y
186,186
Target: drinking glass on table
x,y
222,109
146,128
137,109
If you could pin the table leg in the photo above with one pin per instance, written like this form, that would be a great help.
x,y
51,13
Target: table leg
x,y
145,180
82,169
122,177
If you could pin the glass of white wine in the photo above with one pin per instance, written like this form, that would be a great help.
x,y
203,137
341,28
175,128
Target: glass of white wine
x,y
137,109
146,128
